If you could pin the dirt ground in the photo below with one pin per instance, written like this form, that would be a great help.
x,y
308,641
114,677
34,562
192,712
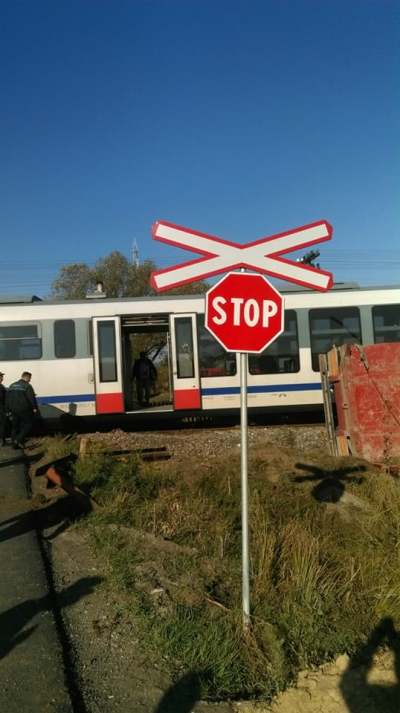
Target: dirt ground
x,y
114,669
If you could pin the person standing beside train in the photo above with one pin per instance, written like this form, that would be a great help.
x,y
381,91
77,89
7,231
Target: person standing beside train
x,y
21,403
3,411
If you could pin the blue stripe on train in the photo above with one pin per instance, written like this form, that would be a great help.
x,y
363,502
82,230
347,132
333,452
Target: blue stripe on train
x,y
215,391
262,389
64,399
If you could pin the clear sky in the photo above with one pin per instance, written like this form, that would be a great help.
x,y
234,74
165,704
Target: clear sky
x,y
238,118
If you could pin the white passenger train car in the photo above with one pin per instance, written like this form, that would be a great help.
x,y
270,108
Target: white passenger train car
x,y
80,352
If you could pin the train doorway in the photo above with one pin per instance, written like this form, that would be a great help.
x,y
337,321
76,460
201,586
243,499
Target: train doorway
x,y
170,341
149,334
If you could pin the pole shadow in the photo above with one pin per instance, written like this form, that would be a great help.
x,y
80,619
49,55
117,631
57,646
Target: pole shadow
x,y
359,694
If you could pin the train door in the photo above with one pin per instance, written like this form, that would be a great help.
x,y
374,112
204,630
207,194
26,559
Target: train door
x,y
185,362
108,372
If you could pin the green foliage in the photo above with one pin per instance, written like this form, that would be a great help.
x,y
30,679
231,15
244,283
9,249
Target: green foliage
x,y
73,282
227,659
119,276
59,446
321,578
191,288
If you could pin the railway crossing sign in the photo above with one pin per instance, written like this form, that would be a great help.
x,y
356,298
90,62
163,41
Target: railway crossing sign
x,y
244,312
263,256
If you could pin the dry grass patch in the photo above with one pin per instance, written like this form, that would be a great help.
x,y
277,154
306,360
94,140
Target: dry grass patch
x,y
320,582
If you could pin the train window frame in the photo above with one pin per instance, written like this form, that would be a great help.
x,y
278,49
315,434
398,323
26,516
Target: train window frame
x,y
279,357
107,348
390,327
25,347
332,335
64,342
90,337
184,348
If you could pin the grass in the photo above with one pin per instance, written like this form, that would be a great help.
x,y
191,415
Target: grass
x,y
321,578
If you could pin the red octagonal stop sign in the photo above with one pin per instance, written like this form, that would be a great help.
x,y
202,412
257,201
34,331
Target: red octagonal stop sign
x,y
244,312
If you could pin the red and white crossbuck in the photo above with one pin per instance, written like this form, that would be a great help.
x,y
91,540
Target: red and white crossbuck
x,y
260,256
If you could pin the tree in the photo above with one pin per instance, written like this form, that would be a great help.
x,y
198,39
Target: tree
x,y
190,288
120,278
114,271
73,282
139,281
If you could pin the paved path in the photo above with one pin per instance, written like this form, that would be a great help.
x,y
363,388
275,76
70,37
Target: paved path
x,y
32,673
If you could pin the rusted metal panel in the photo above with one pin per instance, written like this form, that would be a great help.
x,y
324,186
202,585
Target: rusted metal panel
x,y
366,385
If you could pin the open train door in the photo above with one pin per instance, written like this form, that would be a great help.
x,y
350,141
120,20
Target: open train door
x,y
185,362
108,375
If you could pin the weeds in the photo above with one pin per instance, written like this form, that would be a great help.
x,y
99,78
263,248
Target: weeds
x,y
321,578
58,447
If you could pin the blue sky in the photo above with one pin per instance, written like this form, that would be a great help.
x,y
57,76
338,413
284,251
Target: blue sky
x,y
237,118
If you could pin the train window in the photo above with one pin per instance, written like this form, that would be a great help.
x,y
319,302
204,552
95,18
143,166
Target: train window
x,y
64,339
331,327
283,354
386,322
213,359
90,337
20,341
184,347
107,351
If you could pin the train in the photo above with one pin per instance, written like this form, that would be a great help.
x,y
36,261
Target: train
x,y
80,352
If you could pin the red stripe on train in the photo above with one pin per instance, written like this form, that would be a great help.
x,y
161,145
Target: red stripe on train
x,y
187,399
110,403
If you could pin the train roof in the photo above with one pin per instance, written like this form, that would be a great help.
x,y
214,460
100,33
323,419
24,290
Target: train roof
x,y
336,286
288,289
19,299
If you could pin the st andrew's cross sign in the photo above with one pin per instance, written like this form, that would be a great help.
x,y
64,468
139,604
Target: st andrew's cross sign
x,y
264,256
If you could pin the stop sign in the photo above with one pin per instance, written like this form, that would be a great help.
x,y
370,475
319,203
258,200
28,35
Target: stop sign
x,y
244,312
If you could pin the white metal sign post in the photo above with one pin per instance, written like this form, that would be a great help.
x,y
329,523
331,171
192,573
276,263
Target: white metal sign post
x,y
244,312
244,481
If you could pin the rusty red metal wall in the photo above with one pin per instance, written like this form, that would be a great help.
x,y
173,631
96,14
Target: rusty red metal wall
x,y
366,382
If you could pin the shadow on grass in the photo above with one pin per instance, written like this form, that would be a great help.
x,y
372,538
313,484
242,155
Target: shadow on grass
x,y
330,484
360,694
182,695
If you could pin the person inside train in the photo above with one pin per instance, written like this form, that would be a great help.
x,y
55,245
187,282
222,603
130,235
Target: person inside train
x,y
145,374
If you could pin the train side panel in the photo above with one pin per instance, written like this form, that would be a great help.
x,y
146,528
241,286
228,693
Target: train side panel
x,y
71,376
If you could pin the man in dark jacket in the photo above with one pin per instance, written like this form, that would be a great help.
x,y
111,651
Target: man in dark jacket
x,y
3,411
21,403
145,374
